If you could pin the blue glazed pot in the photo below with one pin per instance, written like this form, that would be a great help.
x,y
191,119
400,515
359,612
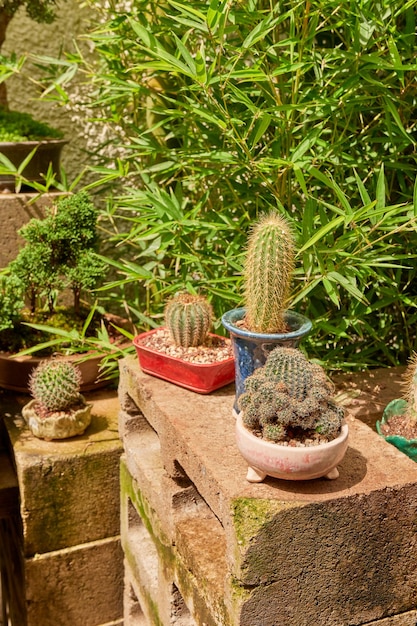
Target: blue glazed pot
x,y
251,349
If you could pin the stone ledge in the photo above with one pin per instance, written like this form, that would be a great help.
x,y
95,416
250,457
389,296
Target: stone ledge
x,y
69,489
350,543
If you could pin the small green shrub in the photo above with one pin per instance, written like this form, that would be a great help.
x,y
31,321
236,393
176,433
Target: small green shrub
x,y
15,126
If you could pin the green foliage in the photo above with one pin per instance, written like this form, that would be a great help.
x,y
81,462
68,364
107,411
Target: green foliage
x,y
220,111
55,384
38,10
268,272
59,254
11,301
15,126
60,251
289,393
188,319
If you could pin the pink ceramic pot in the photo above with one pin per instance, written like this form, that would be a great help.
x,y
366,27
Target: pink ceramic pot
x,y
271,459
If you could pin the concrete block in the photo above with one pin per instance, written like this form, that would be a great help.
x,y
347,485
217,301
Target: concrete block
x,y
79,586
69,489
171,585
336,553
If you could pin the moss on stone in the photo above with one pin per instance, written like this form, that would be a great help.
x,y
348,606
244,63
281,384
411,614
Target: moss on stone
x,y
251,514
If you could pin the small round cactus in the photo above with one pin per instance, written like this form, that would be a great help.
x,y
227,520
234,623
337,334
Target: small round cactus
x,y
289,392
55,385
268,271
188,319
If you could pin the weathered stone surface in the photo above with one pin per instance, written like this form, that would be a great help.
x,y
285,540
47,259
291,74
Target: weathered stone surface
x,y
16,210
172,575
405,619
81,586
348,544
69,489
69,505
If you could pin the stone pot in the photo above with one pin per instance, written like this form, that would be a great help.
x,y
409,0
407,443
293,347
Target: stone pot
x,y
251,349
59,425
289,463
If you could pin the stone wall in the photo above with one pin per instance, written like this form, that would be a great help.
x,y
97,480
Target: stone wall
x,y
203,547
69,508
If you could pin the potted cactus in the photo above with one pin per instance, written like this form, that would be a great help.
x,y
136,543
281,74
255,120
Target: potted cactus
x,y
183,351
265,321
289,426
58,410
398,424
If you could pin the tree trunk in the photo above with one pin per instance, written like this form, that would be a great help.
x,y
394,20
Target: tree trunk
x,y
4,22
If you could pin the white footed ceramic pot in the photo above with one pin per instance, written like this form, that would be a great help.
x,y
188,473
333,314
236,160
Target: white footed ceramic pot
x,y
289,463
59,425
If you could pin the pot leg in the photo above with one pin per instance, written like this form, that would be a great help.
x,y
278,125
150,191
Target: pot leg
x,y
334,473
255,475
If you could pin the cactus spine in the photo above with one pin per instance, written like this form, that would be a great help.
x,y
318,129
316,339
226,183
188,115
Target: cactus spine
x,y
268,271
188,319
55,385
289,392
410,388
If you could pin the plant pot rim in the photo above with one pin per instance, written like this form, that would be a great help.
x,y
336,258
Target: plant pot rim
x,y
58,425
398,406
265,458
302,323
138,339
297,450
33,142
200,378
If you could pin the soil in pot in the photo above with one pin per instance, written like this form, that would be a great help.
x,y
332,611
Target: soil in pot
x,y
201,369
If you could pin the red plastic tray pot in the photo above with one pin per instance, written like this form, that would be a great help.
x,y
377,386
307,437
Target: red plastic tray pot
x,y
198,377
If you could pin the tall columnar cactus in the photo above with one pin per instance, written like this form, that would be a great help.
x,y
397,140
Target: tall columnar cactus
x,y
55,385
268,271
410,388
289,392
188,319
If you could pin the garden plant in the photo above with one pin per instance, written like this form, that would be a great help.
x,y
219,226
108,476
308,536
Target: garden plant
x,y
221,111
59,257
57,410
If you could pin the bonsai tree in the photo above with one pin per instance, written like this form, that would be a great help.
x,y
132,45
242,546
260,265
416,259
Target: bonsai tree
x,y
59,257
188,319
57,410
290,398
38,10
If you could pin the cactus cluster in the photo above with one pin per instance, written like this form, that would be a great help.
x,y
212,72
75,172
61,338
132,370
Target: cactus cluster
x,y
268,272
188,319
287,394
55,385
